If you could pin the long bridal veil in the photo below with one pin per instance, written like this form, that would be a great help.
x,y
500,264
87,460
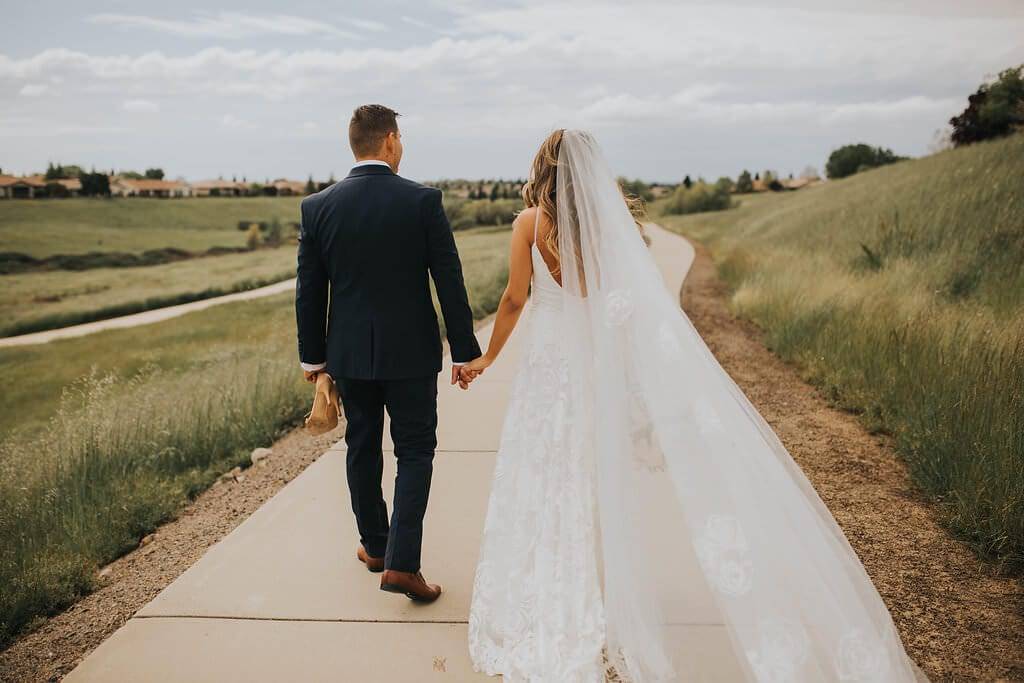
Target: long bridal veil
x,y
716,553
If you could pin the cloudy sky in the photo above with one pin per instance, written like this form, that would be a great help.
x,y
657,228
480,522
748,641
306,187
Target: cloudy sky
x,y
265,89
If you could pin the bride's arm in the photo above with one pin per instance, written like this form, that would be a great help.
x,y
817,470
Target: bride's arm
x,y
520,270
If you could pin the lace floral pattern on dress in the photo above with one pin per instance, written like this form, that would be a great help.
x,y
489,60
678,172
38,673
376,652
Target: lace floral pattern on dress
x,y
861,657
782,649
722,550
536,612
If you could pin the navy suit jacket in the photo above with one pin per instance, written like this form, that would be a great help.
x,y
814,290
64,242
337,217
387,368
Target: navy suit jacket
x,y
368,246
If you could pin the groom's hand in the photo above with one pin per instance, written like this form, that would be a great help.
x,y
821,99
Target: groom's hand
x,y
457,377
310,375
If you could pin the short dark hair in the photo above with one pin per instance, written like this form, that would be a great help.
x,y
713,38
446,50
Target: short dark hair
x,y
370,124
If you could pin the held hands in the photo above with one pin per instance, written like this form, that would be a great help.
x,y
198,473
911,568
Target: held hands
x,y
463,375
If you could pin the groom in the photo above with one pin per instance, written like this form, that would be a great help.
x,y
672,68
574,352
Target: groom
x,y
366,317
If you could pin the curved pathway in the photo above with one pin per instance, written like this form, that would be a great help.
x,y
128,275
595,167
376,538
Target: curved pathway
x,y
145,317
282,597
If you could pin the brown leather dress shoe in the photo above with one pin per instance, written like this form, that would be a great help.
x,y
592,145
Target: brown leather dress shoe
x,y
413,586
374,564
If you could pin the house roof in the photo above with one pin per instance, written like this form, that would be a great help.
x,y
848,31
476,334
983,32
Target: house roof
x,y
33,180
218,184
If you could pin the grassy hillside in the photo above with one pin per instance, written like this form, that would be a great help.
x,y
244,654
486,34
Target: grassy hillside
x,y
105,436
900,292
72,226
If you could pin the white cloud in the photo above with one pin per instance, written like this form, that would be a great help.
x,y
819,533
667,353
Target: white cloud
x,y
742,78
35,90
140,106
234,25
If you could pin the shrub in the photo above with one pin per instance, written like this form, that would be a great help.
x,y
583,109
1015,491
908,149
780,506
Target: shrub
x,y
254,238
57,190
275,233
636,188
464,214
850,159
699,197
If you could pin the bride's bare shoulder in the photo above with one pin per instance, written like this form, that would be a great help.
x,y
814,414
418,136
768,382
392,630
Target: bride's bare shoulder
x,y
527,218
523,223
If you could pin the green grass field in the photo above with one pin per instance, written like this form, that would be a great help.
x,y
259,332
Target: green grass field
x,y
73,226
107,435
900,292
56,298
46,299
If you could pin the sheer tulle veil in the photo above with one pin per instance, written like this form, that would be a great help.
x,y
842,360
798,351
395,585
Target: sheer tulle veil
x,y
712,541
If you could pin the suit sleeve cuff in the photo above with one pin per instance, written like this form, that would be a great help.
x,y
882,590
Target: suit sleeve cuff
x,y
312,367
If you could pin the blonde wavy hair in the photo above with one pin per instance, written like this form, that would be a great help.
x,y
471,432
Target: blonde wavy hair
x,y
539,191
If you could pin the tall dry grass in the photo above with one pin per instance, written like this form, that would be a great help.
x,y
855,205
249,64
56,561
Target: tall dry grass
x,y
108,435
900,292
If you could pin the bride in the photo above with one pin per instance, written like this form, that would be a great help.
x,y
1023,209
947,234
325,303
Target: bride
x,y
645,523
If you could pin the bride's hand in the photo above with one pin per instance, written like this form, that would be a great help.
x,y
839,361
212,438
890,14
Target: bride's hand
x,y
474,368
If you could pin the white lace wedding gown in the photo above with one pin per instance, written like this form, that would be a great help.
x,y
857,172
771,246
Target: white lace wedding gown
x,y
643,517
537,612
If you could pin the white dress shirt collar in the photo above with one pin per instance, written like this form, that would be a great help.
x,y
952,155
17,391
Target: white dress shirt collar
x,y
371,162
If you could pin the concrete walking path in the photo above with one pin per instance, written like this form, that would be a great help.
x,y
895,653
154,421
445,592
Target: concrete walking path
x,y
144,317
283,598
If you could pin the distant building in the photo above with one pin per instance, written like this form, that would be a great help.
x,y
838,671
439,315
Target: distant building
x,y
13,187
289,188
72,185
33,186
146,187
219,188
798,183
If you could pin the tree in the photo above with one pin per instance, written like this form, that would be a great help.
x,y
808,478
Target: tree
x,y
95,184
744,183
54,172
850,159
155,173
995,110
310,185
494,192
687,183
